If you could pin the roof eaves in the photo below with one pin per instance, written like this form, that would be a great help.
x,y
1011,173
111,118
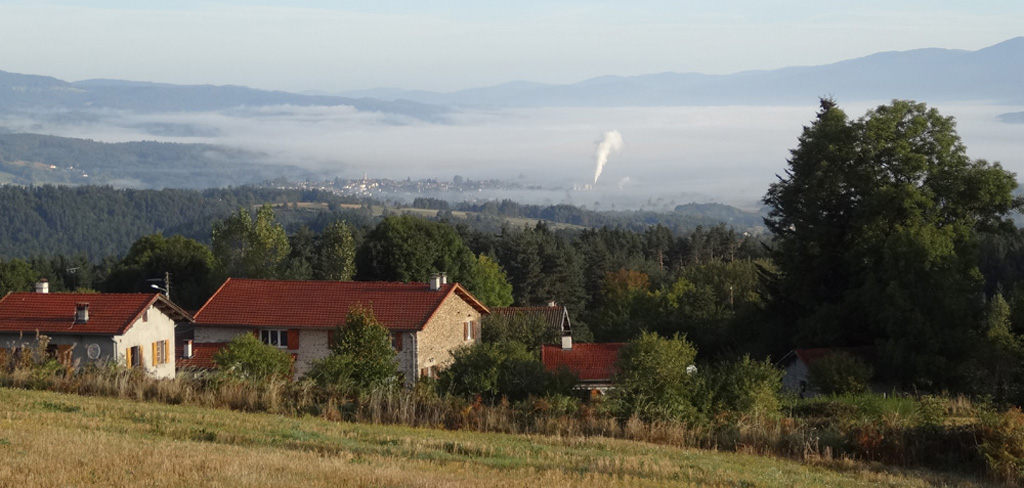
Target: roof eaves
x,y
135,318
210,300
173,307
469,298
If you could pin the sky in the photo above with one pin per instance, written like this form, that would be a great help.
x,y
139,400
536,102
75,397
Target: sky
x,y
333,46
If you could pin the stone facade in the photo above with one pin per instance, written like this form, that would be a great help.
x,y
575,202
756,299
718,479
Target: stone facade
x,y
442,334
313,345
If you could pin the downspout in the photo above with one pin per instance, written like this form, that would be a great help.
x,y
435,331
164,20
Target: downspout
x,y
415,370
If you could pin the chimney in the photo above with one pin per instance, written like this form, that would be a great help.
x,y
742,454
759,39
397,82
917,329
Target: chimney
x,y
435,282
552,304
444,278
81,312
42,286
567,343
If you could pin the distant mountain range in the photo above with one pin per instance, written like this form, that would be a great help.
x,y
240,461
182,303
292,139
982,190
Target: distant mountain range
x,y
994,74
20,93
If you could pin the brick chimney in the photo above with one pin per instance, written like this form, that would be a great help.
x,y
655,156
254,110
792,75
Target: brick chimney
x,y
81,312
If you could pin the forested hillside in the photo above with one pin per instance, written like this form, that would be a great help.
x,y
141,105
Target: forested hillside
x,y
33,159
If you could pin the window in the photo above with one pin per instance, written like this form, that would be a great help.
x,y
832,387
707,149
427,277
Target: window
x,y
160,349
469,330
275,337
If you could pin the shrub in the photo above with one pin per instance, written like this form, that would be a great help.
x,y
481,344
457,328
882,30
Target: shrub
x,y
505,369
652,381
742,386
361,358
840,373
1001,443
246,357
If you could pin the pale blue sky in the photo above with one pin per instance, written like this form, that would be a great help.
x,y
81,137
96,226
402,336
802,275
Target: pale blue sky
x,y
453,44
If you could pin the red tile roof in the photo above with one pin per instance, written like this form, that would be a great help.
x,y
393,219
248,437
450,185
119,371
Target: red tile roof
x,y
591,362
202,355
54,313
809,356
324,304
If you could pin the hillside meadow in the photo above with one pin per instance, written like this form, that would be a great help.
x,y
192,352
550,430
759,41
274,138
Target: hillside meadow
x,y
53,439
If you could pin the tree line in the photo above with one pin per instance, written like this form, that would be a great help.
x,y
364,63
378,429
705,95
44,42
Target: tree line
x,y
884,234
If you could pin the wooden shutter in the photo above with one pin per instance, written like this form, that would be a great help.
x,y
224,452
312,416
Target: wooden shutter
x,y
128,357
155,356
330,338
256,332
64,354
293,338
465,331
398,341
476,329
167,351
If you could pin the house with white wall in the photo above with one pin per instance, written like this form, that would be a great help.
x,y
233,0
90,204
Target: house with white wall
x,y
134,329
426,320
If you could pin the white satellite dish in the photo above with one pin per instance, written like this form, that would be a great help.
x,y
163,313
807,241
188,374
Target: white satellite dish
x,y
93,351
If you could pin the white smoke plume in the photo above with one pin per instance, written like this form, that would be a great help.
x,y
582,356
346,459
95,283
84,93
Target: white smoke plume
x,y
611,142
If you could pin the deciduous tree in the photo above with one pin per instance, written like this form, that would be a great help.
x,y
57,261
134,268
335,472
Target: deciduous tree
x,y
876,224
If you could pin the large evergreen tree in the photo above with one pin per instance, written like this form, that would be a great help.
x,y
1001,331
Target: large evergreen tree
x,y
876,224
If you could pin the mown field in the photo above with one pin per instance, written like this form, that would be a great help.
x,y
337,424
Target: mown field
x,y
51,439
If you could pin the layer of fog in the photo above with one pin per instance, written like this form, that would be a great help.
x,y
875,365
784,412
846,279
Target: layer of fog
x,y
671,155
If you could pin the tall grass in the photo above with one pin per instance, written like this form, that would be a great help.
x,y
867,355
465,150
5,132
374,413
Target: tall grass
x,y
943,433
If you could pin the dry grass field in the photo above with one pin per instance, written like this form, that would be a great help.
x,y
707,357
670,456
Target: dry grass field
x,y
51,439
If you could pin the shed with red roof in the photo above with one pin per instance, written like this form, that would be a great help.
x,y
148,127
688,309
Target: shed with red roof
x,y
136,329
426,321
593,364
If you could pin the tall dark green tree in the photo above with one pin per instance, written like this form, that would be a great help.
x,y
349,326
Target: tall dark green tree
x,y
876,224
16,275
406,248
189,262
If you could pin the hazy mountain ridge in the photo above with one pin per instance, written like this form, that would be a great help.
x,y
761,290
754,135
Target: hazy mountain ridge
x,y
994,74
20,92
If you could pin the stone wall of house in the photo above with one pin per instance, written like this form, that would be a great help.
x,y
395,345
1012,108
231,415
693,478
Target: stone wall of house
x,y
312,343
155,326
444,333
218,334
406,356
312,346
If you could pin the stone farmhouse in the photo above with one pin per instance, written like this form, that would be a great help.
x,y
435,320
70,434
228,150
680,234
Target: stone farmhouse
x,y
136,329
427,321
